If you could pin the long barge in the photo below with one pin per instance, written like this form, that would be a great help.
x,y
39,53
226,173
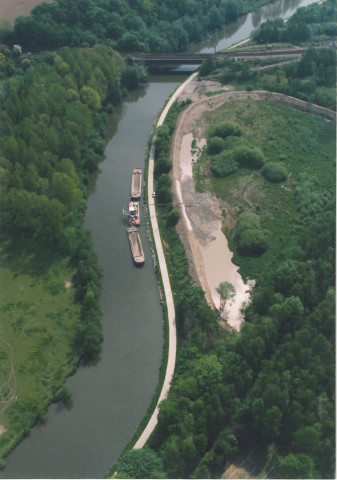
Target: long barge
x,y
136,184
136,245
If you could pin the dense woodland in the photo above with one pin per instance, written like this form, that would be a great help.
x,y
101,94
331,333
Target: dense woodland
x,y
312,79
127,26
52,124
314,23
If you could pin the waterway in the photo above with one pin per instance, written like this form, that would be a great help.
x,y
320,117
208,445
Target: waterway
x,y
111,398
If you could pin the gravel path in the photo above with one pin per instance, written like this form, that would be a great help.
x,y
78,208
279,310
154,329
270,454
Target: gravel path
x,y
165,278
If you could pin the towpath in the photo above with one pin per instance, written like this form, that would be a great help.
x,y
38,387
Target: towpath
x,y
165,278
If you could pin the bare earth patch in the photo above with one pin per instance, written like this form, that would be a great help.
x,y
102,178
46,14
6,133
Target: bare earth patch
x,y
201,230
11,9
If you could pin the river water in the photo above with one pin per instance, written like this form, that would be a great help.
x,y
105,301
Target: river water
x,y
111,398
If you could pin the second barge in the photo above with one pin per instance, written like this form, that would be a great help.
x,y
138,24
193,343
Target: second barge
x,y
136,245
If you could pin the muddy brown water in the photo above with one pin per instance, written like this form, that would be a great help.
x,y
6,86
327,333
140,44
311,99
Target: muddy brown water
x,y
111,398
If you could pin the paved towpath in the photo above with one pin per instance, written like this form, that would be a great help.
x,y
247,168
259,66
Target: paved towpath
x,y
165,278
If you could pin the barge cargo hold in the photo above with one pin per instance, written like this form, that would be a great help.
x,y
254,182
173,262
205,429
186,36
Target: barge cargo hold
x,y
136,245
136,184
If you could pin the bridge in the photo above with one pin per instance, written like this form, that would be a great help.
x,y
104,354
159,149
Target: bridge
x,y
147,59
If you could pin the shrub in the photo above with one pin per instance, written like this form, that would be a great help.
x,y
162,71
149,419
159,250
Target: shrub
x,y
253,241
164,181
215,145
250,157
164,195
275,172
173,218
223,164
225,129
247,220
141,463
162,165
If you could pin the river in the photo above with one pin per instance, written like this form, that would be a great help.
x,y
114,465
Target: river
x,y
111,398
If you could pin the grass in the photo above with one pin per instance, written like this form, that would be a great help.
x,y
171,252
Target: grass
x,y
302,142
38,315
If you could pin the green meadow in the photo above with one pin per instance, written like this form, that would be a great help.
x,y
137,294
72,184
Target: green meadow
x,y
304,144
38,315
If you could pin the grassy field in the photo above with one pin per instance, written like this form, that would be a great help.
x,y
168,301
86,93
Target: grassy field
x,y
38,314
303,143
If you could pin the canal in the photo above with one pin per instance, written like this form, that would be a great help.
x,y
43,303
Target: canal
x,y
111,398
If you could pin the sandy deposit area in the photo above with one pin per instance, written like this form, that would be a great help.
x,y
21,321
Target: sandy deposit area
x,y
11,9
200,230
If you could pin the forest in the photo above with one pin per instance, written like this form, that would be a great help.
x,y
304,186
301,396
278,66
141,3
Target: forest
x,y
271,387
272,384
127,26
315,23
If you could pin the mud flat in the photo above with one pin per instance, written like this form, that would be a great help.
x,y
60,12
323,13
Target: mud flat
x,y
202,217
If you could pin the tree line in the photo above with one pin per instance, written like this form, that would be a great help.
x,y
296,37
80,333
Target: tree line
x,y
312,23
312,79
127,26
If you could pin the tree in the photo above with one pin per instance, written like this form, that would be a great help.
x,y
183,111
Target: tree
x,y
250,157
225,129
226,291
91,98
275,172
207,66
141,463
294,466
215,145
173,218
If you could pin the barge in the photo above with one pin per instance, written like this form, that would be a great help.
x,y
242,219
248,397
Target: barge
x,y
134,212
136,184
136,245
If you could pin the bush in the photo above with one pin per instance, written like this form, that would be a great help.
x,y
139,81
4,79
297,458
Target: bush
x,y
275,172
164,181
225,129
164,195
173,218
161,166
141,463
215,145
247,220
250,157
253,241
223,164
